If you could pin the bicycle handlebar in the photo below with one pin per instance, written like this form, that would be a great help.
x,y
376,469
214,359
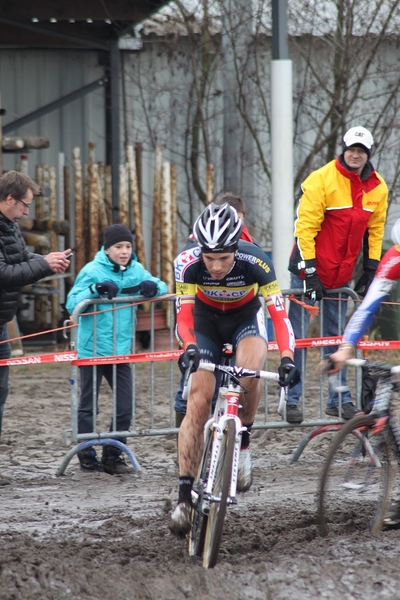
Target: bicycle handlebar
x,y
233,371
238,372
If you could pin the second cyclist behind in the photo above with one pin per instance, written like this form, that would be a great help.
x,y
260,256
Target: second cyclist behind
x,y
386,277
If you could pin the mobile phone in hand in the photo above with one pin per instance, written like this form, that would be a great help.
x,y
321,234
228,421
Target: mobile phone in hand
x,y
68,256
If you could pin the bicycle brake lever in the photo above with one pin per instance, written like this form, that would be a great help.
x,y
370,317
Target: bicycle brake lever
x,y
282,401
328,366
187,380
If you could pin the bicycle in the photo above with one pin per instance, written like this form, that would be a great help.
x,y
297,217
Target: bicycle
x,y
363,459
214,488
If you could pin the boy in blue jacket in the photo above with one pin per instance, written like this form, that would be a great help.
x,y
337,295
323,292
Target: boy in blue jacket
x,y
113,271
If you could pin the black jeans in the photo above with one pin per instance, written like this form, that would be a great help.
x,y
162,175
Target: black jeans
x,y
123,396
5,352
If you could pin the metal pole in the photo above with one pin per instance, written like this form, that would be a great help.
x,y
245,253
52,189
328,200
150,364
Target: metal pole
x,y
115,70
281,145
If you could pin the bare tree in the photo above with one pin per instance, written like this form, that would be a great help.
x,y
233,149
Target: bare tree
x,y
345,69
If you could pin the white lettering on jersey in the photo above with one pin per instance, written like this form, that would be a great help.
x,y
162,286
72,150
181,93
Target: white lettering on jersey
x,y
226,294
184,260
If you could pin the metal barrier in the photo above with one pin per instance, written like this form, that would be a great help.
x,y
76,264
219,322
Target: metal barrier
x,y
344,294
164,383
112,437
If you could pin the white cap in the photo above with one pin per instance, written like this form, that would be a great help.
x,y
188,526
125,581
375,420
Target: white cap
x,y
358,135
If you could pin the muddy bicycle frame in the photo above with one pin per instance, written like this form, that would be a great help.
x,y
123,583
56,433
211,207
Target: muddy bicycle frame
x,y
215,485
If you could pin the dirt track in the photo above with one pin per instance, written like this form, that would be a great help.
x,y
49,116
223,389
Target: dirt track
x,y
100,537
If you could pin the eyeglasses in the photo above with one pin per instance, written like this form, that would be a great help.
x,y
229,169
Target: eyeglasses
x,y
25,204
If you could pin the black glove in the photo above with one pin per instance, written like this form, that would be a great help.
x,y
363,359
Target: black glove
x,y
364,282
191,354
289,375
107,287
148,288
313,287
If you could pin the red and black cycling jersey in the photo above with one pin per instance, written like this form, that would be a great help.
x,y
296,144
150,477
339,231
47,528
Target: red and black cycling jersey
x,y
252,272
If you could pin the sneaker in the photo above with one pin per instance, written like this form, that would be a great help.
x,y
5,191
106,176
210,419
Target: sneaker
x,y
122,468
245,474
293,414
348,411
392,516
180,519
88,460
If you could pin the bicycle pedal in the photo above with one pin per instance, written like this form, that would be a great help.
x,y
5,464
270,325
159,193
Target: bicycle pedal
x,y
232,501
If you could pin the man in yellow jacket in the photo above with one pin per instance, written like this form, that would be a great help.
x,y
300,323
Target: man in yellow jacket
x,y
342,210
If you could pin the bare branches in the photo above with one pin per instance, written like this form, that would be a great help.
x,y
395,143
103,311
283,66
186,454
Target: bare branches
x,y
211,69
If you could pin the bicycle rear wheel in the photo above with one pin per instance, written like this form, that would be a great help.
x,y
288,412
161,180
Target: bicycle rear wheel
x,y
216,516
354,489
198,518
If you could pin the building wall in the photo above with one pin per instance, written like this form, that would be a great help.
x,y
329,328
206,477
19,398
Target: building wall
x,y
30,79
160,91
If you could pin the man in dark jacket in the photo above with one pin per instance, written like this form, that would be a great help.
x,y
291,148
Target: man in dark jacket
x,y
18,267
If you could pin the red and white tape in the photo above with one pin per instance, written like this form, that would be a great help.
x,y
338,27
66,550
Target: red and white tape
x,y
174,354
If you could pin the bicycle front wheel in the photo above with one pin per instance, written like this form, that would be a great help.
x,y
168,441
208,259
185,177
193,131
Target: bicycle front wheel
x,y
220,492
354,489
198,518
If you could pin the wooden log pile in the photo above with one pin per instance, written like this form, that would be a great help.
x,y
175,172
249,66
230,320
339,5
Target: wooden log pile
x,y
89,199
93,208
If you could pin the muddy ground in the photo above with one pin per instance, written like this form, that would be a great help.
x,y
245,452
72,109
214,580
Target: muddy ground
x,y
96,536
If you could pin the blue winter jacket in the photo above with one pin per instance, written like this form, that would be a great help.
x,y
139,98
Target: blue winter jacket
x,y
98,270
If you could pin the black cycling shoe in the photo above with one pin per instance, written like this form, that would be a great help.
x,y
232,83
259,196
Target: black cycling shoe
x,y
180,519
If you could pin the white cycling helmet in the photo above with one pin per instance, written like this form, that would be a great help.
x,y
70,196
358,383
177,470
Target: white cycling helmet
x,y
218,229
396,232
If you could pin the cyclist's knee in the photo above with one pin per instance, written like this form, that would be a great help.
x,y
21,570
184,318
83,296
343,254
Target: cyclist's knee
x,y
198,409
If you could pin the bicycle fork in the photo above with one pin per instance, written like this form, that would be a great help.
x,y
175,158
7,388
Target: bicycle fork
x,y
232,407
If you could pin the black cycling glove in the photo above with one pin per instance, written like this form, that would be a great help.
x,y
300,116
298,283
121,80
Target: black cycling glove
x,y
313,287
191,354
289,375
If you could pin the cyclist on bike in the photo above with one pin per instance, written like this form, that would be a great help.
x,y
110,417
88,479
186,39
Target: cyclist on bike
x,y
217,283
386,277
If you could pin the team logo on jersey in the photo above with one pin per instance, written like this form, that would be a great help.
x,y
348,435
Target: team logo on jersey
x,y
254,260
224,294
184,260
186,289
270,289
